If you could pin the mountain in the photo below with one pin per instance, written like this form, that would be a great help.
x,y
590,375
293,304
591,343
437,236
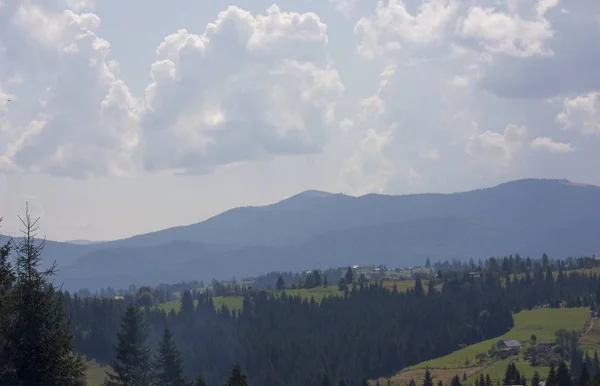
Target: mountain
x,y
83,242
319,229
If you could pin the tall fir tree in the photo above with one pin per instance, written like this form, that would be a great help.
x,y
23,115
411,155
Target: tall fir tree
x,y
237,378
427,380
169,364
535,380
133,364
584,377
455,381
187,303
7,280
200,381
563,375
551,379
39,343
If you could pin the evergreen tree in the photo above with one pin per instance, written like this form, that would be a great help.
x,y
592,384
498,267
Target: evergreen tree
x,y
200,380
39,343
325,281
440,383
7,280
187,302
584,377
412,382
488,380
563,375
551,380
535,380
427,380
237,378
280,284
169,364
364,382
455,381
464,377
419,287
596,362
133,364
349,276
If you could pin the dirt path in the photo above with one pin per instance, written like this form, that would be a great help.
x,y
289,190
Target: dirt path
x,y
592,322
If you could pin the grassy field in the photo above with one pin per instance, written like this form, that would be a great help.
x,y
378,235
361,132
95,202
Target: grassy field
x,y
95,374
542,322
318,293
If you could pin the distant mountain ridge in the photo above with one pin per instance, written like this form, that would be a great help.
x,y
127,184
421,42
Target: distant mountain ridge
x,y
318,229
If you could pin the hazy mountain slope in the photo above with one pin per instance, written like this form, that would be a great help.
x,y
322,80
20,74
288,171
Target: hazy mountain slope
x,y
515,205
317,229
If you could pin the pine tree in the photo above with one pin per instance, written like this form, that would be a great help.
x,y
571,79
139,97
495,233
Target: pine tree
x,y
7,280
280,284
488,380
200,380
349,276
412,382
133,364
440,383
535,380
563,375
551,380
40,345
237,378
169,364
584,377
187,303
455,381
427,380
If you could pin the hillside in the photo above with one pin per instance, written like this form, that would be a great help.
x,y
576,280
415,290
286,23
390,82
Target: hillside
x,y
319,230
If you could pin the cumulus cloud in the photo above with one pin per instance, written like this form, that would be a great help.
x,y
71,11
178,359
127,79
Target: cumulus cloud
x,y
581,113
248,88
393,27
81,118
498,149
545,143
508,34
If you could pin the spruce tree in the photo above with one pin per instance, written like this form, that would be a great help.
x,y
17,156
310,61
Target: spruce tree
x,y
237,378
169,364
427,380
488,380
551,380
535,380
187,303
349,276
7,280
455,381
40,345
200,380
133,364
584,377
563,375
280,284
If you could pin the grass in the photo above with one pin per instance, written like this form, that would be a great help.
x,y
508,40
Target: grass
x,y
543,322
95,374
318,293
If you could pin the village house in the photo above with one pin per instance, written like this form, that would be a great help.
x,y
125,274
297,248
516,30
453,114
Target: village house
x,y
509,347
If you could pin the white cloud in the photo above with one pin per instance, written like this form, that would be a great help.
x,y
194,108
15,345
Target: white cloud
x,y
498,150
368,169
248,88
545,143
510,34
82,119
346,125
393,27
581,113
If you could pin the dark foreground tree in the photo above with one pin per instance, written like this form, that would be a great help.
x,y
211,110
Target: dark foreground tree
x,y
200,380
7,280
169,365
237,378
133,364
427,380
37,340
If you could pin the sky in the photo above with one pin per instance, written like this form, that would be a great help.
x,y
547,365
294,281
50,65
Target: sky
x,y
120,117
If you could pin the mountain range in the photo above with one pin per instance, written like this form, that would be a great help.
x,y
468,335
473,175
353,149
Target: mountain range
x,y
318,230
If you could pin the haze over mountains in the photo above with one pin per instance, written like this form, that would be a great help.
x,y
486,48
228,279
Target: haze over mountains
x,y
319,230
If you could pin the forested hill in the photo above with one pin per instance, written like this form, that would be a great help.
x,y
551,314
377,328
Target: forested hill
x,y
320,230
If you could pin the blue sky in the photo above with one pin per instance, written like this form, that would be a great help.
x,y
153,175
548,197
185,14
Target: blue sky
x,y
131,116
